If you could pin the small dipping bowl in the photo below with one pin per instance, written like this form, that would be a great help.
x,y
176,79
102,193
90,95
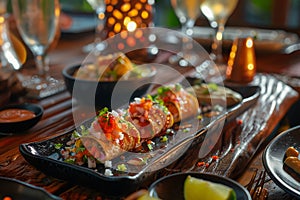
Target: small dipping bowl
x,y
23,125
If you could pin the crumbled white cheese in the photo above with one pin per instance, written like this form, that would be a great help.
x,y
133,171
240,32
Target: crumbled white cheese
x,y
108,163
121,136
108,172
137,100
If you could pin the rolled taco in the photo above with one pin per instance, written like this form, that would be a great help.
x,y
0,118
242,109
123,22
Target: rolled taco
x,y
110,135
180,103
149,117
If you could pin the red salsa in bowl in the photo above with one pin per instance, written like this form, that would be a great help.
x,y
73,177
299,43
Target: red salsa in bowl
x,y
15,115
19,118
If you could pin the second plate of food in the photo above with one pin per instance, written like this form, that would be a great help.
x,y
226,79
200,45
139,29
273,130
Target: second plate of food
x,y
273,160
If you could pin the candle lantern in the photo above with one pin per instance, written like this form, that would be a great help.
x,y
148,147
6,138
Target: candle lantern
x,y
242,62
125,17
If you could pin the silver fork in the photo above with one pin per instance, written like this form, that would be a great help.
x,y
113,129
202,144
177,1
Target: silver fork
x,y
256,186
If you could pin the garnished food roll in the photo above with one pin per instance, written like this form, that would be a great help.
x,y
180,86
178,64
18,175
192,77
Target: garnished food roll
x,y
110,135
179,102
114,132
150,117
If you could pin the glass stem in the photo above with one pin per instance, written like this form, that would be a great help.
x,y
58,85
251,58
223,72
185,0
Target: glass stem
x,y
216,47
42,63
187,29
100,12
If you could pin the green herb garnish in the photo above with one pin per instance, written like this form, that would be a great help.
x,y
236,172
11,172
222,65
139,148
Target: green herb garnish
x,y
58,145
122,167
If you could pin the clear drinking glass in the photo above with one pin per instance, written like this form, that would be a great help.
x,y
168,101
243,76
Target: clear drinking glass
x,y
187,12
217,13
99,7
37,22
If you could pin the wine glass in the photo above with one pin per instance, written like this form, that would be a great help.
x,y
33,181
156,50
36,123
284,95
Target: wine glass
x,y
37,22
217,13
99,7
187,12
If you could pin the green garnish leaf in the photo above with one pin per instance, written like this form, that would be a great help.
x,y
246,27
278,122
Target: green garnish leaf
x,y
58,145
80,149
103,111
76,134
162,90
212,86
150,147
122,167
164,139
70,160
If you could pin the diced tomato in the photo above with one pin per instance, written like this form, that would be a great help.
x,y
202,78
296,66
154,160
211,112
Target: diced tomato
x,y
169,96
107,122
239,122
200,164
215,158
140,108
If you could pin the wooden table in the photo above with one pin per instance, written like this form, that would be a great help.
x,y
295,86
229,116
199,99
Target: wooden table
x,y
259,122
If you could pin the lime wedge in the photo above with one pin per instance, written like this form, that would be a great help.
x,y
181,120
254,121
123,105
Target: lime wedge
x,y
195,189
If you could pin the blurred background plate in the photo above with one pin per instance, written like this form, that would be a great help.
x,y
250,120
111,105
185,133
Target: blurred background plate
x,y
266,40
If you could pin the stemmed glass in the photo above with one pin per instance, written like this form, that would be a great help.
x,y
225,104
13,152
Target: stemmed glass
x,y
217,13
187,12
37,22
99,7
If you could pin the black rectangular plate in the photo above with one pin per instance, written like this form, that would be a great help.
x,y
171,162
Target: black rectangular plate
x,y
45,157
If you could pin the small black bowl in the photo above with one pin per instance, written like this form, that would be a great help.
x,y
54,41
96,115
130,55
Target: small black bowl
x,y
16,189
172,186
21,126
109,94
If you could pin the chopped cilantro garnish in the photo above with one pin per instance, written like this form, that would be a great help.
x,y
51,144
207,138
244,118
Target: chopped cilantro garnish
x,y
84,131
186,130
58,145
162,90
212,86
150,147
164,139
70,160
150,97
122,167
85,158
76,134
103,111
80,149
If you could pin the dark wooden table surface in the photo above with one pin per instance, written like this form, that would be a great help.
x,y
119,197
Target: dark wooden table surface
x,y
260,124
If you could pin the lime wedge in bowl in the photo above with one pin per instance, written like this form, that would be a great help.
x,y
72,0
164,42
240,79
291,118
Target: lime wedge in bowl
x,y
208,186
195,188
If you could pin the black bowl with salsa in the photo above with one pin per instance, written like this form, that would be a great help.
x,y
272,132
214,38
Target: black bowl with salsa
x,y
19,118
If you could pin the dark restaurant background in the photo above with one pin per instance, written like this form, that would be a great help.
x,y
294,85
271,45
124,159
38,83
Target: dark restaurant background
x,y
281,14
